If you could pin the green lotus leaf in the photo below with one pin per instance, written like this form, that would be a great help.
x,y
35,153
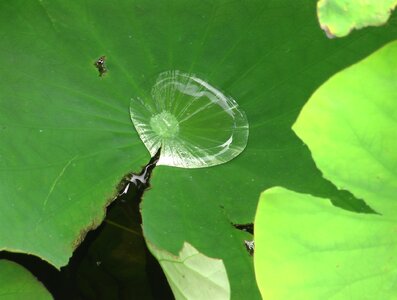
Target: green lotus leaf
x,y
339,17
66,136
350,125
200,205
305,247
193,275
17,283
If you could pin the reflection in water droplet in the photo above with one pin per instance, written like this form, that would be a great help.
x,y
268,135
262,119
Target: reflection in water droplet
x,y
195,124
165,124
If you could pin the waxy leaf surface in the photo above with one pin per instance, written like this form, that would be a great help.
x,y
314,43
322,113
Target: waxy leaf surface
x,y
66,138
305,247
18,283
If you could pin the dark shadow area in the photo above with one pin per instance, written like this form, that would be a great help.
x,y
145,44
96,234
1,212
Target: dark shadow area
x,y
113,261
249,227
346,200
249,244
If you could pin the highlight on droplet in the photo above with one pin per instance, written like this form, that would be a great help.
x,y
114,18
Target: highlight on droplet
x,y
195,124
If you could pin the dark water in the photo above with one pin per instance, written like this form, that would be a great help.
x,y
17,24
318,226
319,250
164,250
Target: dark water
x,y
113,261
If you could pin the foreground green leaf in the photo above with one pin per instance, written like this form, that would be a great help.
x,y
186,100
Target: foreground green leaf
x,y
305,248
350,125
193,275
339,17
17,283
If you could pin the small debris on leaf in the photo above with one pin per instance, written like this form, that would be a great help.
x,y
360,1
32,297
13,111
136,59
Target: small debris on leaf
x,y
249,227
250,246
101,66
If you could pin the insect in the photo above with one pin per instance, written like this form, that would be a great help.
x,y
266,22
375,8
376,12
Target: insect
x,y
100,65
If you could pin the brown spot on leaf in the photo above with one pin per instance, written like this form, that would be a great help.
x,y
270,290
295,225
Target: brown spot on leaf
x,y
100,64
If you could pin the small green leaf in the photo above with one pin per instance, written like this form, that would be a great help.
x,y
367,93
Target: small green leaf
x,y
305,248
17,283
339,17
193,275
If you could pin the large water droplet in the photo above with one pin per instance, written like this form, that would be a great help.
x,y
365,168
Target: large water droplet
x,y
195,124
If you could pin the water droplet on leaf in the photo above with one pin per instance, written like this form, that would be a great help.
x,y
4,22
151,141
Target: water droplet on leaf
x,y
195,124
